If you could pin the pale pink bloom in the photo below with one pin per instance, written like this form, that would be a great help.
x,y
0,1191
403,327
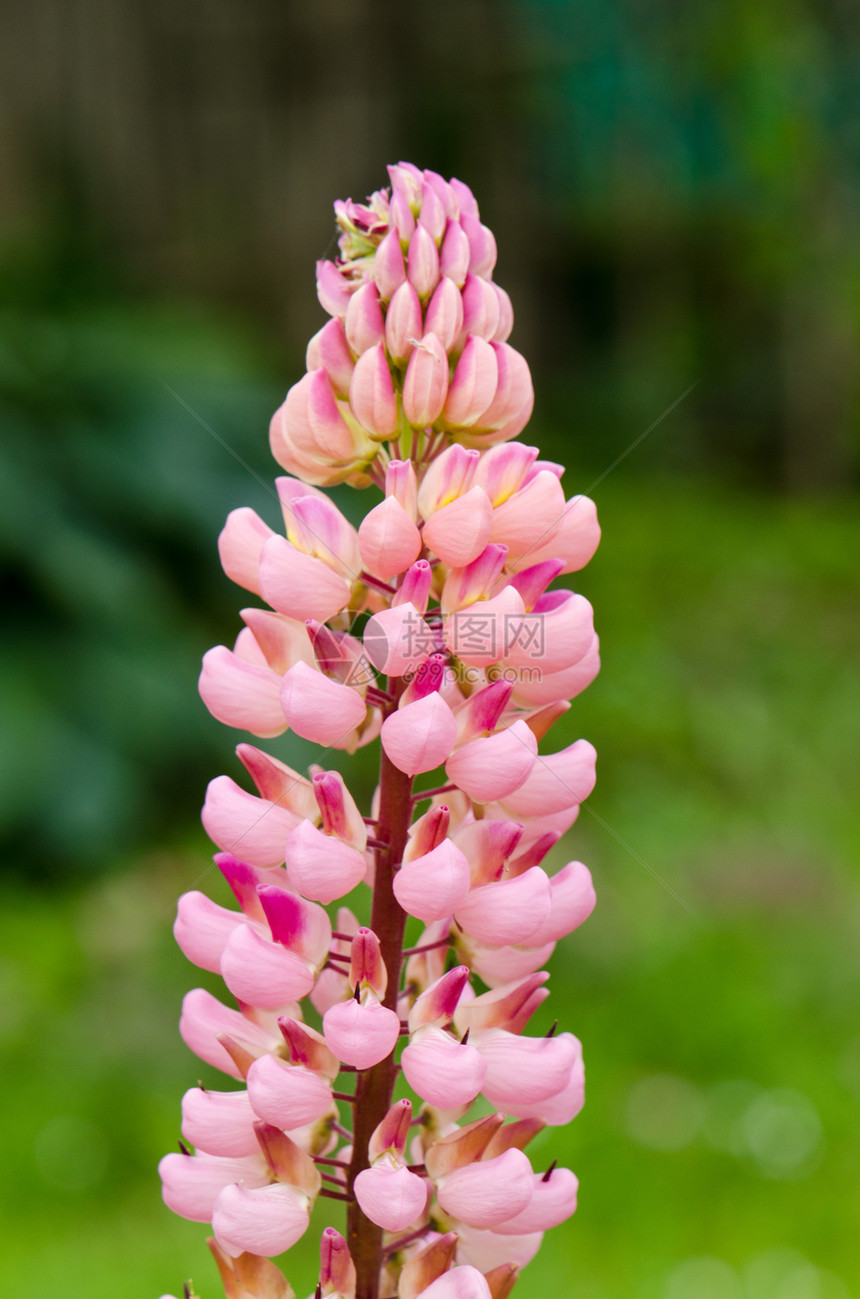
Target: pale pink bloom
x,y
338,809
202,929
487,1249
204,1019
565,684
361,1033
509,1006
403,325
473,383
498,966
480,634
502,470
331,986
506,314
555,782
419,736
488,844
532,512
491,768
425,386
474,582
390,1195
574,541
563,624
287,1096
427,832
507,912
459,531
337,1270
444,316
455,254
302,926
448,476
389,539
389,269
191,1184
553,1201
276,781
315,526
434,885
329,349
364,324
397,640
434,211
422,262
522,1071
366,966
462,1282
441,1070
415,587
300,585
482,245
263,973
322,867
318,708
564,1105
333,290
220,1123
255,827
263,1220
241,694
313,421
437,1003
488,1191
571,902
371,394
240,546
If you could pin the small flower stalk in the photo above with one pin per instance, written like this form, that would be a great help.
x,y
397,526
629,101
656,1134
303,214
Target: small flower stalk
x,y
434,632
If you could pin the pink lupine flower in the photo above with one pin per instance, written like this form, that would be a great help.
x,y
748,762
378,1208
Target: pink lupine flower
x,y
463,658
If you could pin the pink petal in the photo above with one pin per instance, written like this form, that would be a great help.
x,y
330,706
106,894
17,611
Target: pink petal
x,y
265,1220
552,1202
241,694
556,781
318,708
459,531
202,928
489,1191
299,585
219,1123
361,1034
485,767
287,1096
435,885
390,1196
419,736
204,1018
261,973
191,1184
508,911
442,1071
240,546
322,867
572,902
255,828
389,540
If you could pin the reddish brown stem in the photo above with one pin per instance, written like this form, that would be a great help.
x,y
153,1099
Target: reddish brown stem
x,y
374,1087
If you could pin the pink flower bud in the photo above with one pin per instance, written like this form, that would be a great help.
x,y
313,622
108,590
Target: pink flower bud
x,y
263,1220
480,634
433,886
463,586
401,216
488,845
202,928
455,254
465,198
433,675
397,640
361,1033
400,482
433,213
301,926
419,736
415,587
443,192
287,1096
320,709
425,386
299,585
366,966
261,973
496,762
333,290
427,832
436,1005
337,1270
371,394
482,711
447,476
480,309
506,315
422,262
241,694
473,385
458,532
482,245
389,269
444,316
329,350
390,1195
508,911
553,1201
503,469
441,1070
340,815
322,867
403,324
364,324
488,1192
204,1019
240,545
556,780
219,1123
191,1184
330,435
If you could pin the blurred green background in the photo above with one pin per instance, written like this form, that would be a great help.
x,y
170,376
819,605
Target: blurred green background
x,y
675,195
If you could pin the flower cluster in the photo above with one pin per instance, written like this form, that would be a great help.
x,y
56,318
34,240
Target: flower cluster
x,y
435,628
